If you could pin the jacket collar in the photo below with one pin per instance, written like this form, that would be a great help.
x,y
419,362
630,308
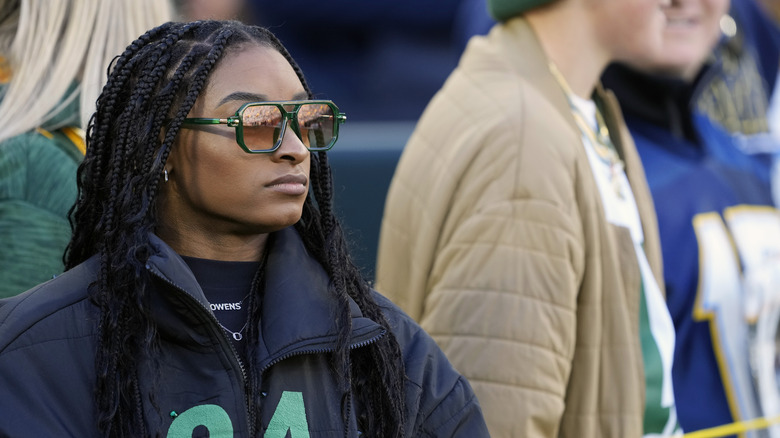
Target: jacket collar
x,y
299,312
663,101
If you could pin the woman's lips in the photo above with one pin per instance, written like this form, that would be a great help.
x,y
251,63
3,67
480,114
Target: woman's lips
x,y
294,185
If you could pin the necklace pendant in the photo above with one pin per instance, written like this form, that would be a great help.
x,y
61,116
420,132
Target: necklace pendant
x,y
236,335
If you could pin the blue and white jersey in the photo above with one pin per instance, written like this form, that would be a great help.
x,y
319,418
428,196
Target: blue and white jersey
x,y
720,236
720,233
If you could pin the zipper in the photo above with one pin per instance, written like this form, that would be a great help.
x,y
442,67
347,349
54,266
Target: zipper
x,y
223,335
349,412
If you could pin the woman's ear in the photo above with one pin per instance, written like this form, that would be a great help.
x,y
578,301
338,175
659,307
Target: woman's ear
x,y
170,164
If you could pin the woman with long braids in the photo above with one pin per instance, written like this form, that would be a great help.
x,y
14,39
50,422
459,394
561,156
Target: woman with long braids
x,y
208,290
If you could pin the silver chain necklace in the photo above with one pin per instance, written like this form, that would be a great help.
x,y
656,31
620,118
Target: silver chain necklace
x,y
236,335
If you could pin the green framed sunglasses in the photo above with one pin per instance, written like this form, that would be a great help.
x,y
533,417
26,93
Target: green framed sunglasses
x,y
260,126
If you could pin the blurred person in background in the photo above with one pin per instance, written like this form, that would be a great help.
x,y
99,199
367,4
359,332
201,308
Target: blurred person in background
x,y
520,232
697,112
54,57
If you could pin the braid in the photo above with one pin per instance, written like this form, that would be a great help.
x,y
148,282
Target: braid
x,y
152,87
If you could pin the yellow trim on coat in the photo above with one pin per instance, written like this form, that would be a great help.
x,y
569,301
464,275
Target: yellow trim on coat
x,y
76,135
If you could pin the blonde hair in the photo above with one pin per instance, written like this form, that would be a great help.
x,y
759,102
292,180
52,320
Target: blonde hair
x,y
50,44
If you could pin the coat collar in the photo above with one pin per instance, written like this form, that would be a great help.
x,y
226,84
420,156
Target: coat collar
x,y
299,312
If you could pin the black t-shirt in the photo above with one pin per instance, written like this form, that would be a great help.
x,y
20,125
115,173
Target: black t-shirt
x,y
226,286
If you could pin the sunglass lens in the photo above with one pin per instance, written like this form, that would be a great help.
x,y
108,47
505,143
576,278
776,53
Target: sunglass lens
x,y
316,122
261,126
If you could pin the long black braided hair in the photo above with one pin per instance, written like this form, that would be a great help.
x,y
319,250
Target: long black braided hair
x,y
150,90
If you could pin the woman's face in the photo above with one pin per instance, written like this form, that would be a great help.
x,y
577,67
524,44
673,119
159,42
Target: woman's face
x,y
692,30
215,190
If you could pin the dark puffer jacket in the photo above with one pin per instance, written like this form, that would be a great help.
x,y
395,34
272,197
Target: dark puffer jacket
x,y
48,339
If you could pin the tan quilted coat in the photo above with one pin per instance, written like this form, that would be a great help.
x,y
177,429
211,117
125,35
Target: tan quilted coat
x,y
494,238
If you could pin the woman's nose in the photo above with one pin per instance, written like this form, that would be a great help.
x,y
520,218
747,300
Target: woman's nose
x,y
292,148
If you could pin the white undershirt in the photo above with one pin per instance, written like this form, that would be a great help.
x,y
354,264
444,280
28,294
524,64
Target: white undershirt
x,y
621,210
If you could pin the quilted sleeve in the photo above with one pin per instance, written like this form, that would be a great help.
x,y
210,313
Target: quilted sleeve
x,y
503,309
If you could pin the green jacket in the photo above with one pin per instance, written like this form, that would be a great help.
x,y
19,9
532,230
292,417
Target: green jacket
x,y
37,188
